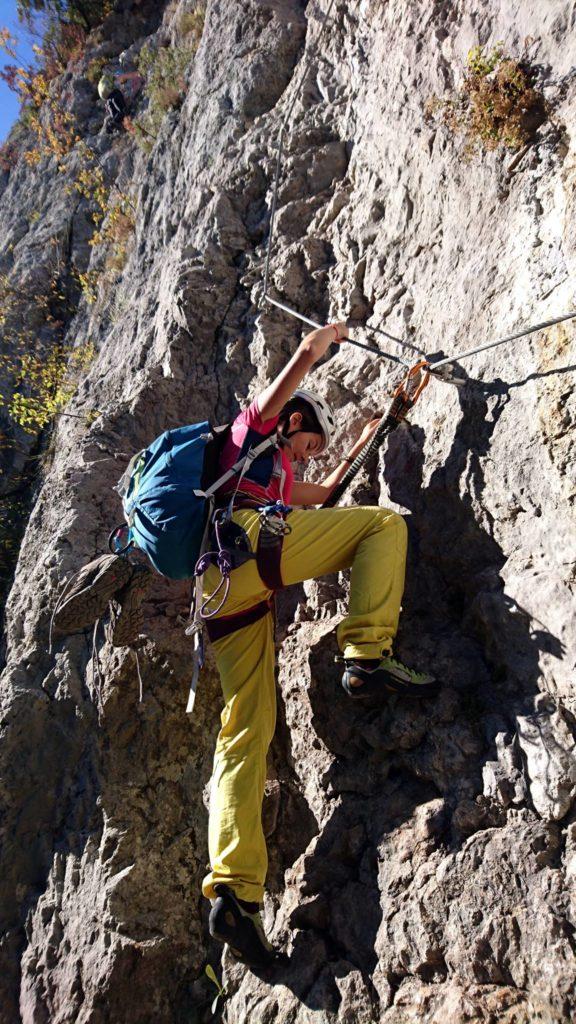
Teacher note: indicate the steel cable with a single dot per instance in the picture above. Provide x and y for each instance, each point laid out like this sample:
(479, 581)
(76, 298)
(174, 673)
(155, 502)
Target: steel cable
(281, 137)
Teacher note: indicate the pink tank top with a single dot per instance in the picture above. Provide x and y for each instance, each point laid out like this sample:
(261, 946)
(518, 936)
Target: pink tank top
(270, 477)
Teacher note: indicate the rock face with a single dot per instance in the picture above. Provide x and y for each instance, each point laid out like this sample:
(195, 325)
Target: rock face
(422, 858)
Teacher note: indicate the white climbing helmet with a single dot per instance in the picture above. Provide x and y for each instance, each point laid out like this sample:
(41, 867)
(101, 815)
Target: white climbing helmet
(323, 411)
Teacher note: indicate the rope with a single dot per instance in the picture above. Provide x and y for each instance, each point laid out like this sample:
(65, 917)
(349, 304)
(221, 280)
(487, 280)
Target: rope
(96, 671)
(266, 297)
(223, 562)
(139, 674)
(304, 71)
(358, 344)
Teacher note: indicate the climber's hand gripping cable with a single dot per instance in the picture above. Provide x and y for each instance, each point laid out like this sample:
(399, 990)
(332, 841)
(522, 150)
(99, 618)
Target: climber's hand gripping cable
(273, 399)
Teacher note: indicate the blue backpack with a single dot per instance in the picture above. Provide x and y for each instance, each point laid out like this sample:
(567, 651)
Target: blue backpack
(168, 493)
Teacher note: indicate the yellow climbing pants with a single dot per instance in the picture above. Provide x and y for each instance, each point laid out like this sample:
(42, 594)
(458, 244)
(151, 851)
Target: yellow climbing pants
(372, 541)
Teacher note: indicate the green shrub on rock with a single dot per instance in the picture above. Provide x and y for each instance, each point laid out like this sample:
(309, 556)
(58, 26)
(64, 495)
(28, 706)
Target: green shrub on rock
(165, 73)
(497, 103)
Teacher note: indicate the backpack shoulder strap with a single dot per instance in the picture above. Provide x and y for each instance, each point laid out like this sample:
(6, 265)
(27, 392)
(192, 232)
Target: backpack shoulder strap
(241, 467)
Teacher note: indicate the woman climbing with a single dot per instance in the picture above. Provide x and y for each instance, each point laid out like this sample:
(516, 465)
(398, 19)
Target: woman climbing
(308, 544)
(288, 425)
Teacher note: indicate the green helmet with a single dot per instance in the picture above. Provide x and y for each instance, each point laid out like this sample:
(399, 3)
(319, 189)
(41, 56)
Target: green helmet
(105, 85)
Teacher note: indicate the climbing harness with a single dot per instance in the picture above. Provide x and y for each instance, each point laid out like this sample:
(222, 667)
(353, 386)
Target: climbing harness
(271, 519)
(232, 549)
(230, 553)
(273, 529)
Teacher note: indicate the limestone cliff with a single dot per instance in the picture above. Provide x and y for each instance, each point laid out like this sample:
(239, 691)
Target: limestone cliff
(422, 859)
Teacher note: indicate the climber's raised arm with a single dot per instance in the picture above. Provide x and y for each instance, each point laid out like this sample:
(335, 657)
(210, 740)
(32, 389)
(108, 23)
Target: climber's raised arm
(273, 399)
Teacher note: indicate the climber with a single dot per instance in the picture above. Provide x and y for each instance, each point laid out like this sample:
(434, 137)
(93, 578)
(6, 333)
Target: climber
(273, 545)
(116, 106)
(292, 545)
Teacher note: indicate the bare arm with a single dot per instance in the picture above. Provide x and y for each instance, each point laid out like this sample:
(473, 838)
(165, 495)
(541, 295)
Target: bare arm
(315, 494)
(309, 351)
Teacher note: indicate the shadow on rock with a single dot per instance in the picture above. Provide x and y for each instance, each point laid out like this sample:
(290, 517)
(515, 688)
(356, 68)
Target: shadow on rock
(411, 779)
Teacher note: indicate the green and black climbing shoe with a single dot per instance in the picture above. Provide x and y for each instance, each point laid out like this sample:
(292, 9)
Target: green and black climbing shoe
(85, 597)
(238, 923)
(369, 678)
(127, 620)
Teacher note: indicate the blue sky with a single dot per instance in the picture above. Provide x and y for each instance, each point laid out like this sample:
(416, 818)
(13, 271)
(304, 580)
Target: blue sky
(9, 105)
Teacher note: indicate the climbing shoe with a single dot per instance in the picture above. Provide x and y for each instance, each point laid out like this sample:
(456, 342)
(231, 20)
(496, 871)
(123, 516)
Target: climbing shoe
(368, 678)
(85, 597)
(127, 620)
(238, 923)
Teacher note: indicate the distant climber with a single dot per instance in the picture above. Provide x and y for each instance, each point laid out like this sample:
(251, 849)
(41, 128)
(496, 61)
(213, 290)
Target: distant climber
(264, 543)
(114, 98)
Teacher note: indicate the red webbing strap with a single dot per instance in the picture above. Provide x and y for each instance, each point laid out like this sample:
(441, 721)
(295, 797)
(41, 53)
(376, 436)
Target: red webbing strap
(269, 548)
(218, 628)
(268, 556)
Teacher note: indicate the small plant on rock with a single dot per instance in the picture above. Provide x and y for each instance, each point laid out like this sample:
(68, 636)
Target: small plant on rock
(9, 154)
(118, 232)
(220, 992)
(44, 383)
(96, 68)
(113, 214)
(88, 282)
(497, 103)
(142, 135)
(191, 22)
(165, 73)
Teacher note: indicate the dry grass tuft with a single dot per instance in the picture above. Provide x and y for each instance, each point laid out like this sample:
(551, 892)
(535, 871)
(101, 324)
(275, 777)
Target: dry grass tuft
(497, 104)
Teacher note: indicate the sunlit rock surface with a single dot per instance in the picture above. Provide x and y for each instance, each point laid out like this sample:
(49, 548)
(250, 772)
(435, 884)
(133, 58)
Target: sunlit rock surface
(422, 857)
